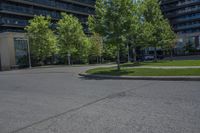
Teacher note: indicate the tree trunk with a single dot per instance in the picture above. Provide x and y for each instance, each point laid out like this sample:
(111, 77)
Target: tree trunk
(155, 54)
(118, 57)
(69, 58)
(171, 54)
(100, 60)
(128, 53)
(134, 55)
(97, 60)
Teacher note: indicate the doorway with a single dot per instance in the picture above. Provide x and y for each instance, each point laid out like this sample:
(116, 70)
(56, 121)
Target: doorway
(21, 52)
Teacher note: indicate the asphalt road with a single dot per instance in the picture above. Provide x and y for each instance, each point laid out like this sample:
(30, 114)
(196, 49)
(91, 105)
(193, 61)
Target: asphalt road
(57, 100)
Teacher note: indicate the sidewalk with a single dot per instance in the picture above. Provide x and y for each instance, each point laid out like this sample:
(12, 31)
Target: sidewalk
(165, 67)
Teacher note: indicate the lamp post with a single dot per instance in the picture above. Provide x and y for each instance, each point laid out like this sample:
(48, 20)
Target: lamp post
(28, 48)
(29, 54)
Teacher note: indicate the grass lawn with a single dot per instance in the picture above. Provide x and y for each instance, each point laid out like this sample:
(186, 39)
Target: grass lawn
(145, 72)
(165, 63)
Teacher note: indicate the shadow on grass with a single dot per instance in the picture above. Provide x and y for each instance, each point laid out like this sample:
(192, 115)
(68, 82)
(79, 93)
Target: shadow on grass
(110, 72)
(132, 64)
(113, 72)
(94, 78)
(147, 63)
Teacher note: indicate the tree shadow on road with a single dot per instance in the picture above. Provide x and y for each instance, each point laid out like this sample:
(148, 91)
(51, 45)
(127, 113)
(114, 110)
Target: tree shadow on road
(96, 78)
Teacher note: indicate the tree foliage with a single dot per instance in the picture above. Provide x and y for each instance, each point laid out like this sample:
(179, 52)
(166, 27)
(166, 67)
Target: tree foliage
(158, 28)
(42, 38)
(117, 23)
(112, 21)
(96, 48)
(82, 52)
(71, 36)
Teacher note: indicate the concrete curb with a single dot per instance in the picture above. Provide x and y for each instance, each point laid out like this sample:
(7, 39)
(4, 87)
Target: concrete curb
(164, 78)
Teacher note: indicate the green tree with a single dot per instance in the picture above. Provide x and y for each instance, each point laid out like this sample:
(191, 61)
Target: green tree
(70, 35)
(82, 52)
(109, 52)
(96, 48)
(42, 39)
(135, 34)
(153, 16)
(169, 38)
(111, 20)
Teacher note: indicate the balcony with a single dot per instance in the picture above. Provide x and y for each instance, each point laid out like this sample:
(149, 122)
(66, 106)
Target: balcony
(185, 27)
(27, 11)
(89, 3)
(58, 6)
(180, 5)
(13, 22)
(182, 12)
(168, 1)
(186, 18)
(187, 2)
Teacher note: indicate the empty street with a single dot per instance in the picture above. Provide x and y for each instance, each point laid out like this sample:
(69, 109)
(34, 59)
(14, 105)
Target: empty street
(57, 100)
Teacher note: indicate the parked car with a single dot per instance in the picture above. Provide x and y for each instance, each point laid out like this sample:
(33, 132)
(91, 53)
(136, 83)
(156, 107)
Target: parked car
(160, 57)
(152, 57)
(148, 57)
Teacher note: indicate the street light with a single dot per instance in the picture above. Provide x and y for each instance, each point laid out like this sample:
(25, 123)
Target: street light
(28, 46)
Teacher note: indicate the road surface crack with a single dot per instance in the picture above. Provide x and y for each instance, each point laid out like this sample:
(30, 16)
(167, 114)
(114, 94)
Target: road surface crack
(78, 108)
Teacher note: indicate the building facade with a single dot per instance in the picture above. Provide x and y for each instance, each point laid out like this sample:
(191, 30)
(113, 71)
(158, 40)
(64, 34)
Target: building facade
(184, 16)
(15, 14)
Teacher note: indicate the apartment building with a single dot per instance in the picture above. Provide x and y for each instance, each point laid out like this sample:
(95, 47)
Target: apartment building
(184, 16)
